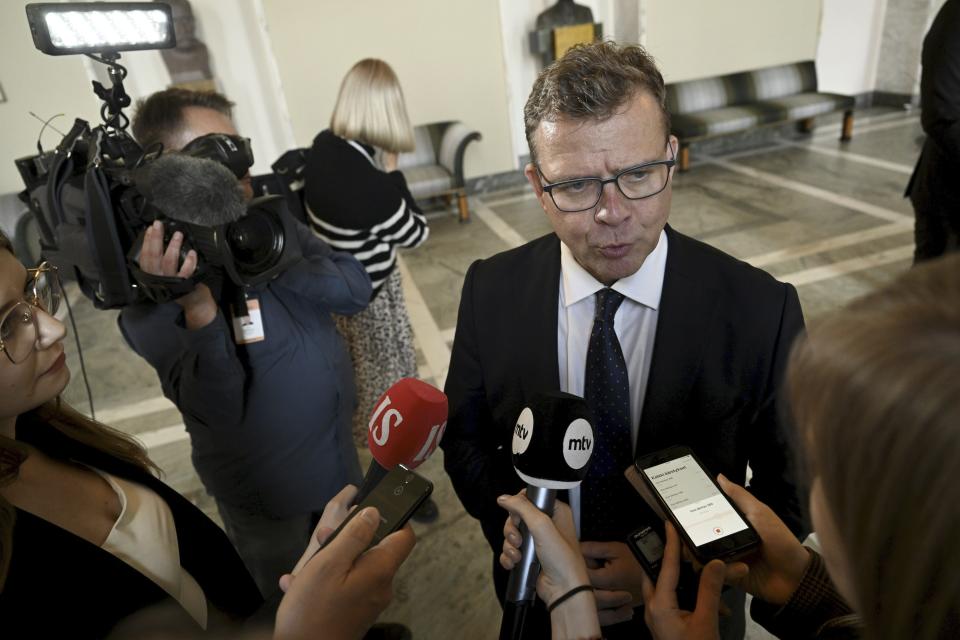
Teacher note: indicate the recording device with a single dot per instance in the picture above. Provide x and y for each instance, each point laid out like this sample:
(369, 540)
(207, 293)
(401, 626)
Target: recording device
(686, 493)
(647, 546)
(95, 194)
(552, 444)
(397, 496)
(405, 428)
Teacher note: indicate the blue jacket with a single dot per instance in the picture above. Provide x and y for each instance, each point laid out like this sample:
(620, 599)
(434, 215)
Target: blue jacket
(269, 421)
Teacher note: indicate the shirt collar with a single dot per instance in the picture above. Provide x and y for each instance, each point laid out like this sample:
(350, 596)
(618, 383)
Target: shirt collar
(644, 286)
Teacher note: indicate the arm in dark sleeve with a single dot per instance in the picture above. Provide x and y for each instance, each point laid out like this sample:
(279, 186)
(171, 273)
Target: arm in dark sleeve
(812, 609)
(940, 81)
(773, 446)
(467, 447)
(344, 189)
(412, 230)
(333, 280)
(199, 370)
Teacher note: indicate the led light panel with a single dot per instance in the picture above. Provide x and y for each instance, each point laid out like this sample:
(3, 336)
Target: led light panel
(99, 27)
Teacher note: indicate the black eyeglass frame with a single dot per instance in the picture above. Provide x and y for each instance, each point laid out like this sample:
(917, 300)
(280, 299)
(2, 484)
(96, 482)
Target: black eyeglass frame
(669, 164)
(34, 301)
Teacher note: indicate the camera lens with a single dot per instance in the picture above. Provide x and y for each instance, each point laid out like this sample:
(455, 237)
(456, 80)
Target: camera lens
(256, 241)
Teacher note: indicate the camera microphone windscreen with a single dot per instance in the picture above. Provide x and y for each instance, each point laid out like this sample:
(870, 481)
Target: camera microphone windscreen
(405, 428)
(193, 190)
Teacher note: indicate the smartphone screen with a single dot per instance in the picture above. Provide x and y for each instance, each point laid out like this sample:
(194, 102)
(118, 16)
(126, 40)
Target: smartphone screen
(703, 512)
(709, 522)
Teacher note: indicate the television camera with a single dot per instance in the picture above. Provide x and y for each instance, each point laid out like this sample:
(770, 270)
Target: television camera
(95, 194)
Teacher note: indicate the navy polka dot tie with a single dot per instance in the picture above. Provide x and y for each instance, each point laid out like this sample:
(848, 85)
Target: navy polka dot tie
(605, 491)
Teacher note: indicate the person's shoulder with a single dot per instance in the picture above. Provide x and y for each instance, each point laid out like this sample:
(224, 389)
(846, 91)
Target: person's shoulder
(538, 253)
(326, 143)
(716, 268)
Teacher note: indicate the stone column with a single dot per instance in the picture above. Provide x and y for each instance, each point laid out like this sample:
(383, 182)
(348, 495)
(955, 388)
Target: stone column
(898, 70)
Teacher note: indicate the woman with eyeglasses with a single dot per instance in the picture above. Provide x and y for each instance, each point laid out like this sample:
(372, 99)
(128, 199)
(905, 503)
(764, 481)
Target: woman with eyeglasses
(874, 392)
(92, 543)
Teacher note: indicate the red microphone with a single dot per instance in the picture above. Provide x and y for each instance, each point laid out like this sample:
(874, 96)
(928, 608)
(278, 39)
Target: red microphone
(405, 428)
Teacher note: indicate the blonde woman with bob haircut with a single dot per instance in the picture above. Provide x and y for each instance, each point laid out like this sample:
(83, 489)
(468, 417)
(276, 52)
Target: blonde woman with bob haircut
(359, 202)
(874, 390)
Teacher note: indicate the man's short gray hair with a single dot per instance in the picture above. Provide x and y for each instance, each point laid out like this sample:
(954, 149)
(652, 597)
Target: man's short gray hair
(593, 81)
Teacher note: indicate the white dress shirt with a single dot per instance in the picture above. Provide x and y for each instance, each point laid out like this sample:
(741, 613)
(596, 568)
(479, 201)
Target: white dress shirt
(635, 324)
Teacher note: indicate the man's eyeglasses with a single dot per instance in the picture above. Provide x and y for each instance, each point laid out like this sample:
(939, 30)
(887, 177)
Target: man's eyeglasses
(635, 183)
(18, 324)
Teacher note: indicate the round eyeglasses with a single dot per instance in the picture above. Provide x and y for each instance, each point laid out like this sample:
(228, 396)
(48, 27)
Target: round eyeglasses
(635, 183)
(18, 324)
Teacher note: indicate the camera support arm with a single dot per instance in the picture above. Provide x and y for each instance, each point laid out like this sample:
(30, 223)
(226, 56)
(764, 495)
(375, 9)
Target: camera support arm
(115, 99)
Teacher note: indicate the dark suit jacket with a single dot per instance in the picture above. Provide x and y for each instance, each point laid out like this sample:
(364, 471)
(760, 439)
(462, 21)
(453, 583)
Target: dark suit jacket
(723, 336)
(934, 187)
(61, 586)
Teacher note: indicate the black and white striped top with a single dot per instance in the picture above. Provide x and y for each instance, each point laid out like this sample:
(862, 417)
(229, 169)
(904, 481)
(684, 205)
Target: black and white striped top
(356, 207)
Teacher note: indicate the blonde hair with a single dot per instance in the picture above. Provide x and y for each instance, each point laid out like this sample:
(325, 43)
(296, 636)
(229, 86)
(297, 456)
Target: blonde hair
(370, 108)
(875, 391)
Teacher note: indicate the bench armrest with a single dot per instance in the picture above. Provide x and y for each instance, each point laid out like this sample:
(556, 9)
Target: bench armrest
(453, 144)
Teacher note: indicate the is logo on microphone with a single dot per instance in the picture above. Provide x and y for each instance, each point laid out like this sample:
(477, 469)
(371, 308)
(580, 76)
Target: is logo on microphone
(523, 431)
(577, 443)
(380, 428)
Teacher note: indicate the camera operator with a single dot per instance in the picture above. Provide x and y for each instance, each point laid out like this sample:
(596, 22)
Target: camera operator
(268, 407)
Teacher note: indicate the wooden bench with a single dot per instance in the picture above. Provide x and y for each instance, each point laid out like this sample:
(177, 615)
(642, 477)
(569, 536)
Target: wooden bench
(701, 109)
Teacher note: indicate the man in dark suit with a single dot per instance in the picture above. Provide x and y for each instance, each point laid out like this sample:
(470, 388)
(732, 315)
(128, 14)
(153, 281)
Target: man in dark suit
(699, 340)
(934, 187)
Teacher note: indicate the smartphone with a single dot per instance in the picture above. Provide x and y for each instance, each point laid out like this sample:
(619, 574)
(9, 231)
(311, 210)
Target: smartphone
(647, 545)
(396, 497)
(708, 521)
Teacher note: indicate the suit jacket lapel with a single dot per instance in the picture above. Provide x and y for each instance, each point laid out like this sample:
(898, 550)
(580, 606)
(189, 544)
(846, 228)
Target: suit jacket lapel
(687, 311)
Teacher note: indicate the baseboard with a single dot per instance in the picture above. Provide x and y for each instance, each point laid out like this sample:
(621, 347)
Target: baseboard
(889, 99)
(496, 182)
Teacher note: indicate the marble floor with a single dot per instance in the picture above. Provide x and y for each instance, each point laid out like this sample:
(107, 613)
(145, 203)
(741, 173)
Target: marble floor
(825, 216)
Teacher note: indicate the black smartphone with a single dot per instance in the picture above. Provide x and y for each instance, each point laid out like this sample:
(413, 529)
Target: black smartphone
(647, 545)
(708, 521)
(396, 497)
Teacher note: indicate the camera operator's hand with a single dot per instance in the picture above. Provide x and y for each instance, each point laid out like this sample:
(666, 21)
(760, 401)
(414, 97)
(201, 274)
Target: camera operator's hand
(341, 591)
(199, 307)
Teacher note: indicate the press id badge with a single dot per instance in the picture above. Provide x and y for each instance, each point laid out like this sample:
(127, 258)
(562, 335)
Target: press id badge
(248, 328)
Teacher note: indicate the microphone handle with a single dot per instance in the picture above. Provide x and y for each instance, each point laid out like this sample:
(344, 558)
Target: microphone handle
(375, 473)
(522, 586)
(514, 617)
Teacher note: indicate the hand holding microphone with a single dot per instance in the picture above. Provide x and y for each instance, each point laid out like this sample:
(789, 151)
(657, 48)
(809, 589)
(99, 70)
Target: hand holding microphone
(555, 544)
(552, 445)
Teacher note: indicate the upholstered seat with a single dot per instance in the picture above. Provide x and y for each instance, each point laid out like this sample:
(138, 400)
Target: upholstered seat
(435, 166)
(742, 101)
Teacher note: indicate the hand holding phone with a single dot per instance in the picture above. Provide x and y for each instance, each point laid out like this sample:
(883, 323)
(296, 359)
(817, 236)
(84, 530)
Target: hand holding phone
(396, 497)
(343, 590)
(777, 568)
(682, 490)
